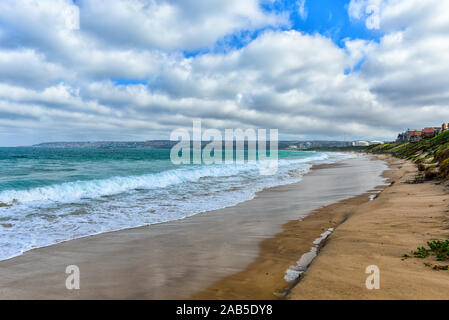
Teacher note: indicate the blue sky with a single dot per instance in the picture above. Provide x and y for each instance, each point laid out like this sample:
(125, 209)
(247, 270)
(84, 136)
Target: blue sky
(329, 18)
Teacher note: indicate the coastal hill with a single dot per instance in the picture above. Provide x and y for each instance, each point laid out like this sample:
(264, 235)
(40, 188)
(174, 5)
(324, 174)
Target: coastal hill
(154, 144)
(167, 144)
(431, 155)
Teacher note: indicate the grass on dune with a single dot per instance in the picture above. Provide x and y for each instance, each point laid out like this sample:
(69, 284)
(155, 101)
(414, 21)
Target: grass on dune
(432, 155)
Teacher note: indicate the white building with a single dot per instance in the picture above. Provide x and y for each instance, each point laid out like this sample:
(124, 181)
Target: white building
(360, 143)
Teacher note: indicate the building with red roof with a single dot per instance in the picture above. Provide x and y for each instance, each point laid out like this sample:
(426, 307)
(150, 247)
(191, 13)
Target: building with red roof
(428, 133)
(414, 135)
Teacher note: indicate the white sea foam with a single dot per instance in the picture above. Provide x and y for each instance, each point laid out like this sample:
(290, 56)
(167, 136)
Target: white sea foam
(74, 191)
(46, 215)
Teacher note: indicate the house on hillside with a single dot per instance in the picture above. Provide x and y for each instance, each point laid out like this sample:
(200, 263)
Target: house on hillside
(428, 132)
(418, 135)
(414, 135)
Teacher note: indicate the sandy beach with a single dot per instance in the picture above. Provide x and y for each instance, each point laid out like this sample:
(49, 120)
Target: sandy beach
(243, 252)
(403, 217)
(191, 258)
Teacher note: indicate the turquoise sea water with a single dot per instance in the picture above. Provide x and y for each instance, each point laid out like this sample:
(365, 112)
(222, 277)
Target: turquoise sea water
(54, 195)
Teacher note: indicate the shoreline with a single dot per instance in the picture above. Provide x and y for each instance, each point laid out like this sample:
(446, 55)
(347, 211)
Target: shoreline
(403, 217)
(263, 279)
(367, 231)
(197, 211)
(179, 259)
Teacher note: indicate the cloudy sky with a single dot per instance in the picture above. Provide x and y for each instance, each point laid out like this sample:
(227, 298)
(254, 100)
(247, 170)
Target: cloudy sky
(77, 70)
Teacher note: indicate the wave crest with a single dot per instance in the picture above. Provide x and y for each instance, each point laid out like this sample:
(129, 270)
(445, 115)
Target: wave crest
(75, 191)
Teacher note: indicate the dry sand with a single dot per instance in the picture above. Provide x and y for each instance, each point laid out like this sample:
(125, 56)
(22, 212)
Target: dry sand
(380, 232)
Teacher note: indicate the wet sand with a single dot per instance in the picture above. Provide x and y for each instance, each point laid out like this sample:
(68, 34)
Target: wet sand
(264, 278)
(403, 217)
(179, 259)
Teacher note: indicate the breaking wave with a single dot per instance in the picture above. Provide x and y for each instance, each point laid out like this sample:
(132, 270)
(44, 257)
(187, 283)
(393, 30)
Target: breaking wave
(74, 191)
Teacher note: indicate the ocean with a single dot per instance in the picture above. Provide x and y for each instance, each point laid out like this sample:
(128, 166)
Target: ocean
(49, 196)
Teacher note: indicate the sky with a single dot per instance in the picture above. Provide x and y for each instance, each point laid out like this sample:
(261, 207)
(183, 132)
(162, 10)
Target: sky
(90, 70)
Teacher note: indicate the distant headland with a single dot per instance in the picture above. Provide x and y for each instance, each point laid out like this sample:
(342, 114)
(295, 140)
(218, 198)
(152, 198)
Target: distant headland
(167, 144)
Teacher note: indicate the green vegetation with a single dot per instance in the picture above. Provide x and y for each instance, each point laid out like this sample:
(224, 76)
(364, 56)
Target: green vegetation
(437, 248)
(421, 253)
(440, 248)
(431, 155)
(439, 267)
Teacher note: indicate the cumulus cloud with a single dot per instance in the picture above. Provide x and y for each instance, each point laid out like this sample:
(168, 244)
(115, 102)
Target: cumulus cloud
(124, 75)
(28, 68)
(186, 25)
(409, 67)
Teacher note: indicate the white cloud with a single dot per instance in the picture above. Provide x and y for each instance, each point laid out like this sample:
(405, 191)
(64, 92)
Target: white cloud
(357, 9)
(186, 25)
(57, 83)
(27, 68)
(302, 9)
(409, 67)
